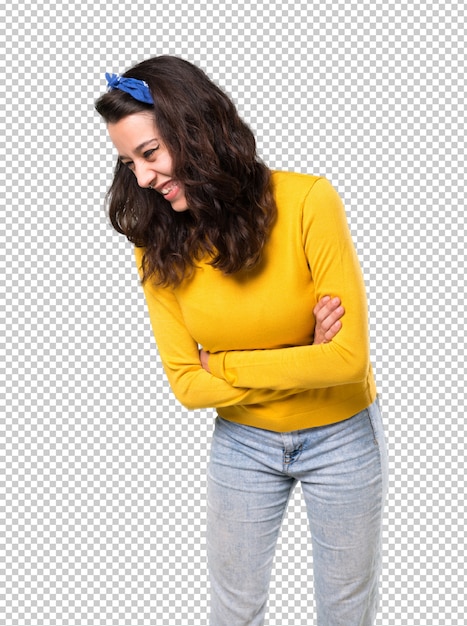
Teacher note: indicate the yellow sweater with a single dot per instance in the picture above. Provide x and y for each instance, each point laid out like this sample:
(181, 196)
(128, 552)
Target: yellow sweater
(258, 325)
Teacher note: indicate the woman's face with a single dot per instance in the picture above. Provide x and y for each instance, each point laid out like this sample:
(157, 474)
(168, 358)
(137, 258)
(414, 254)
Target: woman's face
(140, 148)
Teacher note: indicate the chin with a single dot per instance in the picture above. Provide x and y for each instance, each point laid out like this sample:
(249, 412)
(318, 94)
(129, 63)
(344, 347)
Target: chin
(179, 208)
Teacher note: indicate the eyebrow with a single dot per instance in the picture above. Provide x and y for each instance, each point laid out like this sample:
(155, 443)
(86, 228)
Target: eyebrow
(139, 148)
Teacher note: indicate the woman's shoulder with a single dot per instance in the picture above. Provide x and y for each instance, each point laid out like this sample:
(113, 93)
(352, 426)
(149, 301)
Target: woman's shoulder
(294, 181)
(293, 187)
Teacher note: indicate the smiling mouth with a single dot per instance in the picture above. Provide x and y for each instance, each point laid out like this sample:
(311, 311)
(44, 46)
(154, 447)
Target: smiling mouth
(168, 188)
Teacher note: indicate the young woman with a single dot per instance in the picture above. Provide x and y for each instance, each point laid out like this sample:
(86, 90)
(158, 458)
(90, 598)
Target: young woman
(234, 259)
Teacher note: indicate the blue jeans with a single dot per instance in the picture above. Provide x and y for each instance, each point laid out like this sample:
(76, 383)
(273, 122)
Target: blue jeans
(342, 469)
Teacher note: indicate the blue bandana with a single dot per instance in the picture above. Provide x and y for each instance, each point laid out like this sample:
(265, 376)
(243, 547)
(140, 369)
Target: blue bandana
(138, 89)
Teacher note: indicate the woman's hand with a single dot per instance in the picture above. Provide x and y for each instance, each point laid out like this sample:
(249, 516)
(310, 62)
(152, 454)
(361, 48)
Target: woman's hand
(203, 358)
(328, 313)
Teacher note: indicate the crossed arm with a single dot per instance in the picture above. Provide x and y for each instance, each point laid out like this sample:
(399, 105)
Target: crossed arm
(328, 313)
(334, 359)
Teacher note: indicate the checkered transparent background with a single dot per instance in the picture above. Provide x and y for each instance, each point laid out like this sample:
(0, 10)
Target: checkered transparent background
(103, 473)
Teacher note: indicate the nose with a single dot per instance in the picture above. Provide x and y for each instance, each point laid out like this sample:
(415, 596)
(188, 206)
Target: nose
(144, 173)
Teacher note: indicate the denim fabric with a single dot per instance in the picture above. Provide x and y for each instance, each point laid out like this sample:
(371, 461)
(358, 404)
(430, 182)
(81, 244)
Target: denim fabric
(342, 469)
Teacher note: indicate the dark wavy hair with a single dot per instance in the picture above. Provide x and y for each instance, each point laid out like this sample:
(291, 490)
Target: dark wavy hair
(227, 187)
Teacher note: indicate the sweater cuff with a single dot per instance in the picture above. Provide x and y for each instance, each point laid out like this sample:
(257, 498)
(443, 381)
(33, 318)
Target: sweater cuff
(216, 364)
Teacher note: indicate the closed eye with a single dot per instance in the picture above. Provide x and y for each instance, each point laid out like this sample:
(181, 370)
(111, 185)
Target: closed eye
(148, 153)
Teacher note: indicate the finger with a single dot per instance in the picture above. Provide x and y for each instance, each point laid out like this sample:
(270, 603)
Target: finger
(332, 318)
(332, 332)
(320, 304)
(326, 308)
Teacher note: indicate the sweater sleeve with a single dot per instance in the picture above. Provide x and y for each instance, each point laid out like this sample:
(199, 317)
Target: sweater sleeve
(336, 271)
(191, 384)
